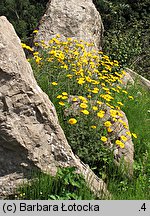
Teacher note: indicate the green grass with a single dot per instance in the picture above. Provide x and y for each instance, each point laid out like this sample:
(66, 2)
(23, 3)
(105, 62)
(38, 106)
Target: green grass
(66, 185)
(138, 115)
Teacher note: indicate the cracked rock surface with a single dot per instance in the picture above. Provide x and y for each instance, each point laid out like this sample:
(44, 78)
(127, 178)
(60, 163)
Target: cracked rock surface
(30, 135)
(71, 19)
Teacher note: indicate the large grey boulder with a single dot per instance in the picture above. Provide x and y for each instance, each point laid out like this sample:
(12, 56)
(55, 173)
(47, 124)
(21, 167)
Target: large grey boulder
(140, 79)
(30, 135)
(71, 18)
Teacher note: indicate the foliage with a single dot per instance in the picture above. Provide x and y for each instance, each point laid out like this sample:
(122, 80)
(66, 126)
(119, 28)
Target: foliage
(66, 185)
(127, 32)
(24, 15)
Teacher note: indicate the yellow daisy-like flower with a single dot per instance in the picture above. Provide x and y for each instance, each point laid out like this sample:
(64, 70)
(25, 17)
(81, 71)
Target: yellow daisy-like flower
(107, 124)
(120, 103)
(121, 144)
(101, 114)
(36, 44)
(54, 83)
(124, 91)
(72, 121)
(120, 114)
(128, 133)
(99, 102)
(82, 98)
(74, 99)
(124, 138)
(35, 31)
(61, 103)
(64, 93)
(95, 90)
(134, 135)
(88, 79)
(59, 96)
(131, 97)
(89, 96)
(113, 113)
(103, 138)
(81, 81)
(64, 97)
(83, 105)
(95, 108)
(69, 76)
(109, 130)
(36, 53)
(86, 112)
(93, 126)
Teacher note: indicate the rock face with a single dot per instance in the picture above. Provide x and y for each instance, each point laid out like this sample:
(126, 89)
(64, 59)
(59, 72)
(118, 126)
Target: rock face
(30, 134)
(142, 80)
(76, 19)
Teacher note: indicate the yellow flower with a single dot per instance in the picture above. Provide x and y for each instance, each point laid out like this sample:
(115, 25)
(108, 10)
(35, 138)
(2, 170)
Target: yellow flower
(95, 90)
(54, 83)
(101, 114)
(131, 97)
(95, 108)
(93, 126)
(83, 105)
(35, 31)
(72, 121)
(113, 113)
(120, 114)
(37, 59)
(114, 119)
(65, 67)
(107, 124)
(120, 103)
(74, 99)
(109, 130)
(26, 47)
(88, 79)
(36, 53)
(106, 89)
(134, 135)
(86, 112)
(128, 133)
(64, 97)
(112, 107)
(59, 96)
(64, 93)
(121, 144)
(124, 91)
(118, 107)
(69, 76)
(103, 138)
(124, 138)
(84, 100)
(36, 44)
(95, 82)
(81, 81)
(89, 96)
(99, 102)
(61, 103)
(57, 35)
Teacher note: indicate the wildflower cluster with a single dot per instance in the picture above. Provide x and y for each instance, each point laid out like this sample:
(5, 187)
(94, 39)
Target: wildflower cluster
(76, 68)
